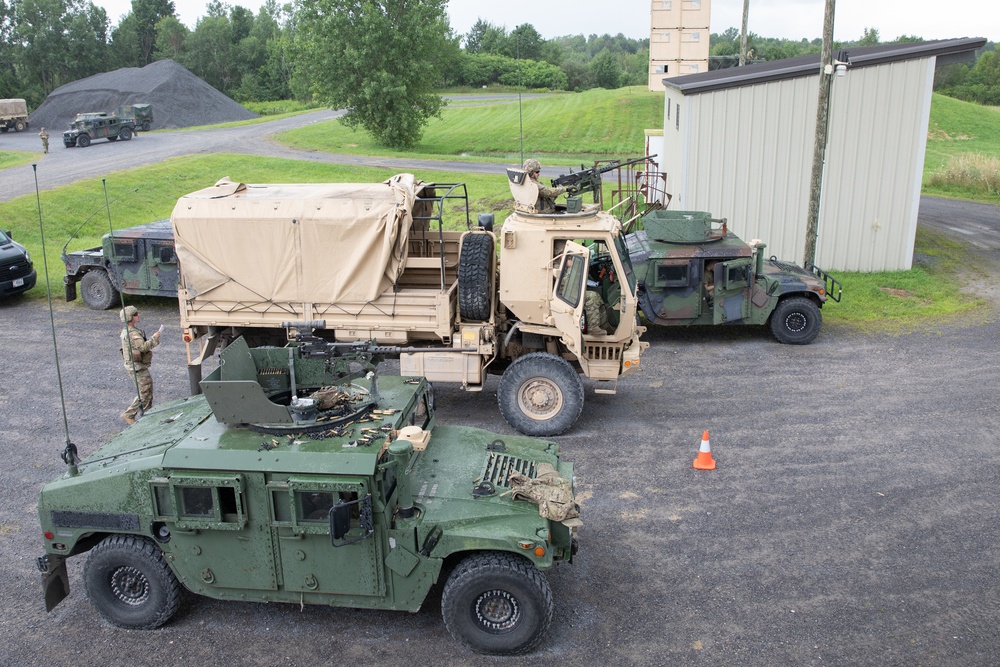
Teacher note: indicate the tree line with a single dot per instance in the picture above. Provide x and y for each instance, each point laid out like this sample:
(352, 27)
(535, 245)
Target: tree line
(385, 61)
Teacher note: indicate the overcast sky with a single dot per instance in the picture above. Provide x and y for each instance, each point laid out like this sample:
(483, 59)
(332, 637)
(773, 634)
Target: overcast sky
(790, 19)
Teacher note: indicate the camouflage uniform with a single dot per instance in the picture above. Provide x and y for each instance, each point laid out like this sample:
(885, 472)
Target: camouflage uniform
(546, 202)
(596, 313)
(137, 362)
(44, 136)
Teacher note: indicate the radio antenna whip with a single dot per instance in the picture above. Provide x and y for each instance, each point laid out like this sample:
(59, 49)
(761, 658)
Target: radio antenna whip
(69, 454)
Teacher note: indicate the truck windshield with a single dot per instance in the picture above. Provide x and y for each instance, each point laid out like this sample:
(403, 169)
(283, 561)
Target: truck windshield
(626, 261)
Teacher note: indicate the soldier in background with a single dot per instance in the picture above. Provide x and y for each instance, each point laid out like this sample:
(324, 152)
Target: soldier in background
(137, 352)
(44, 136)
(546, 202)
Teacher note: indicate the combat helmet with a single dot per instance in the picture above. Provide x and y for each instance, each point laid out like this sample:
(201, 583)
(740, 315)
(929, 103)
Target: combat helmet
(127, 313)
(531, 164)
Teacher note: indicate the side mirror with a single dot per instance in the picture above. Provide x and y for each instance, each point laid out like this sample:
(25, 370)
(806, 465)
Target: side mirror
(486, 221)
(340, 521)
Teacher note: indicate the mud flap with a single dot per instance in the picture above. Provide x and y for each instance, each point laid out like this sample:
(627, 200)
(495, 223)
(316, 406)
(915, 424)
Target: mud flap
(55, 580)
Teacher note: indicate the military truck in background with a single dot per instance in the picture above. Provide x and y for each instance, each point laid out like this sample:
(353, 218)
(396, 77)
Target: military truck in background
(13, 115)
(142, 114)
(301, 477)
(693, 270)
(99, 125)
(359, 262)
(136, 260)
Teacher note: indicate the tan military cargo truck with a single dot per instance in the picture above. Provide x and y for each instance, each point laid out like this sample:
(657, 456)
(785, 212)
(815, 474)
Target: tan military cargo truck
(400, 265)
(13, 115)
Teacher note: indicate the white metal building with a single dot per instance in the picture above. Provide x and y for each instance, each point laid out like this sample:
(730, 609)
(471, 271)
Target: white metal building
(739, 143)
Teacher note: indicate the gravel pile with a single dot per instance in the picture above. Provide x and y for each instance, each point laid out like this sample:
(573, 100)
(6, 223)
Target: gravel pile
(179, 98)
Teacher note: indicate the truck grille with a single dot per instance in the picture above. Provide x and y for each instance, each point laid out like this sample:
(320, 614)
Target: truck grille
(16, 268)
(596, 352)
(499, 467)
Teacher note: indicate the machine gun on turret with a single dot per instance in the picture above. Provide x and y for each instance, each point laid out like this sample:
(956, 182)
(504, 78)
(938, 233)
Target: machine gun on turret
(589, 179)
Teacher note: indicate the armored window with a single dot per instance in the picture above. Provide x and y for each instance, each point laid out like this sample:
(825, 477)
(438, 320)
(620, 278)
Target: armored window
(200, 502)
(570, 285)
(304, 504)
(673, 275)
(164, 253)
(123, 251)
(421, 414)
(737, 275)
(197, 502)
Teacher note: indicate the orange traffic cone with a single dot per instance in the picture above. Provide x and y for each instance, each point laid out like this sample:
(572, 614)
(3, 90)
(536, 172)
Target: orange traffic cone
(704, 460)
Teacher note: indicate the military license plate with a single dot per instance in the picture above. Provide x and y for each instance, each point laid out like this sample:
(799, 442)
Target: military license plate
(18, 282)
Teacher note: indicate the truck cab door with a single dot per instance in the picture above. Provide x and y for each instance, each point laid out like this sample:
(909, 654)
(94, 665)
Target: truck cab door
(128, 263)
(567, 301)
(314, 561)
(732, 291)
(162, 262)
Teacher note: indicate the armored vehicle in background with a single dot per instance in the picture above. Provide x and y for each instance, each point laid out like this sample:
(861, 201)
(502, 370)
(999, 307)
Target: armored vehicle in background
(300, 477)
(693, 270)
(361, 261)
(13, 115)
(89, 126)
(136, 260)
(142, 114)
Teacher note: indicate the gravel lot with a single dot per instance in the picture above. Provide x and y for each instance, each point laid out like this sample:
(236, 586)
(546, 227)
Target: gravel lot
(852, 519)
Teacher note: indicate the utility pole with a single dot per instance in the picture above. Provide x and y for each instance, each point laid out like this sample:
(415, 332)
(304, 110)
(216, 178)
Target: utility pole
(743, 34)
(819, 147)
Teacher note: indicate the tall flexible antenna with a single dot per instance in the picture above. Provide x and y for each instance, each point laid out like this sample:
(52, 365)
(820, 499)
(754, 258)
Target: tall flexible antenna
(121, 296)
(69, 455)
(89, 218)
(520, 85)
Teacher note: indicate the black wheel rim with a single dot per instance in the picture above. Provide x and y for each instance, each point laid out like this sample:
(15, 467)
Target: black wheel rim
(497, 611)
(796, 322)
(130, 586)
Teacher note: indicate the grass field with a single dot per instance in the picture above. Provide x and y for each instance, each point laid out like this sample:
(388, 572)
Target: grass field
(562, 129)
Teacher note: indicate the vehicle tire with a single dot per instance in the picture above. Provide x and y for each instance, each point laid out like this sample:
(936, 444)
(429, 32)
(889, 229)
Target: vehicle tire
(83, 140)
(97, 291)
(125, 133)
(130, 584)
(4, 128)
(20, 125)
(145, 126)
(475, 263)
(796, 321)
(497, 603)
(540, 394)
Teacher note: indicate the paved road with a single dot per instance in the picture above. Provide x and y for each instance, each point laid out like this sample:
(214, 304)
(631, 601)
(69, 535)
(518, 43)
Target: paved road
(65, 165)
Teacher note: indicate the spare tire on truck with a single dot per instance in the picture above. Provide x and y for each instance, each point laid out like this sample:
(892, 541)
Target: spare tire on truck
(475, 266)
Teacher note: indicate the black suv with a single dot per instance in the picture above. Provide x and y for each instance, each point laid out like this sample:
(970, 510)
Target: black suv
(17, 274)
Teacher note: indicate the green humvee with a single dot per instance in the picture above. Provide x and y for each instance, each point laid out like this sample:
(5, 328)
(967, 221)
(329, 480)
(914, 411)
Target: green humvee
(298, 476)
(135, 260)
(693, 270)
(100, 125)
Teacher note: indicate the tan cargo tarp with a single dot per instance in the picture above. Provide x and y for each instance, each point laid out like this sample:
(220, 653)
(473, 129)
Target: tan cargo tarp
(294, 243)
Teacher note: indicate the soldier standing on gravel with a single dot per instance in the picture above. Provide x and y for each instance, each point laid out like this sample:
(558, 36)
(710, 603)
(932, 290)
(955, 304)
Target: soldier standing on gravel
(44, 136)
(138, 354)
(546, 202)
